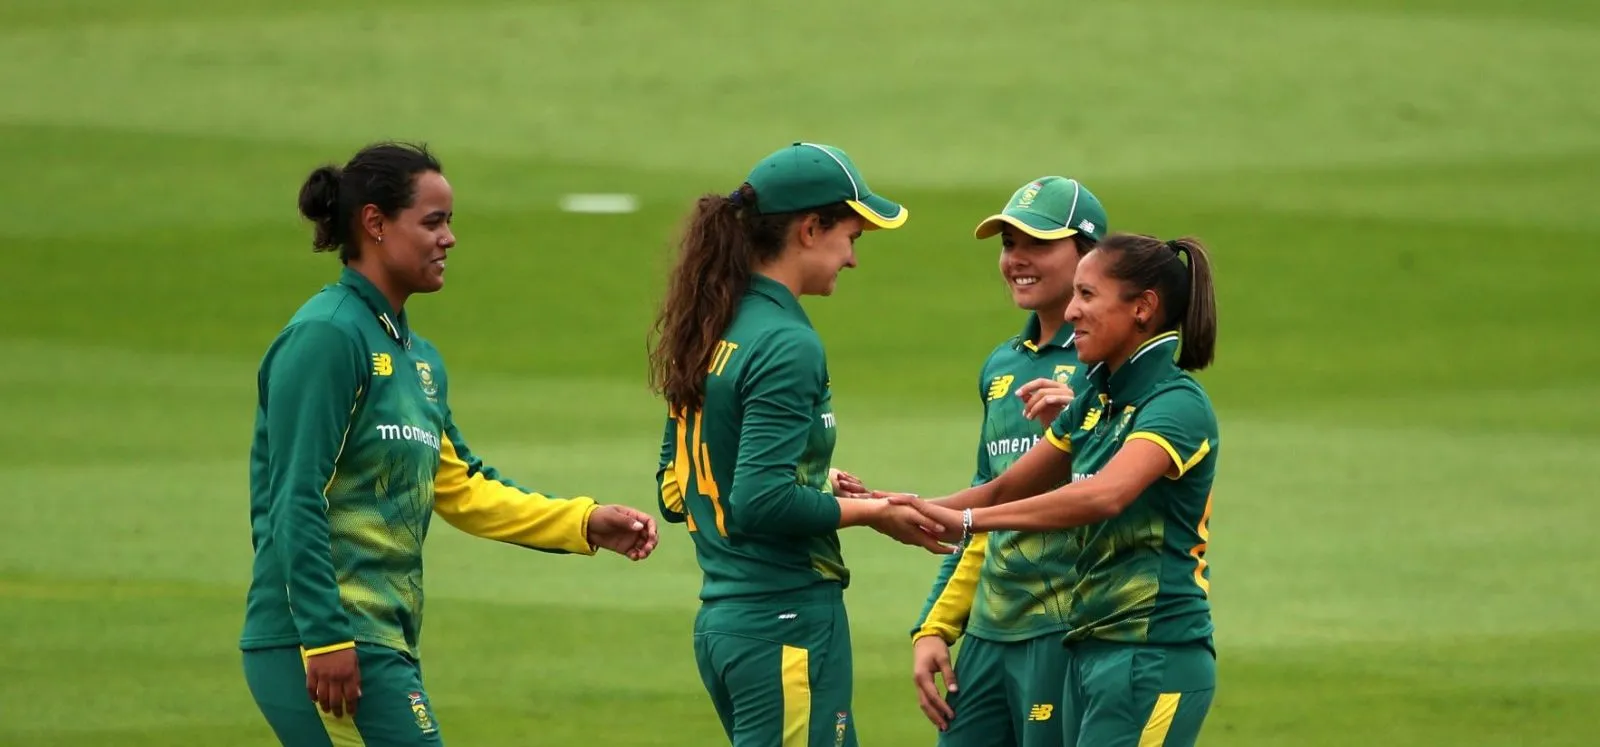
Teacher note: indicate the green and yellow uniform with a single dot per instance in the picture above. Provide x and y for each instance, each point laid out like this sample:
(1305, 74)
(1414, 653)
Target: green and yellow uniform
(355, 448)
(1143, 663)
(1009, 592)
(747, 474)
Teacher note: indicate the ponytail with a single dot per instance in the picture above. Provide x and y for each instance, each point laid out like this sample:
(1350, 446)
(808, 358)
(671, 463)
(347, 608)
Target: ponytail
(1199, 323)
(703, 291)
(1179, 272)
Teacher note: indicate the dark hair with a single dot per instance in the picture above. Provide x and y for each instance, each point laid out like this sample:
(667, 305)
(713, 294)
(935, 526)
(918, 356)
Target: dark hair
(1179, 271)
(382, 174)
(725, 238)
(1082, 243)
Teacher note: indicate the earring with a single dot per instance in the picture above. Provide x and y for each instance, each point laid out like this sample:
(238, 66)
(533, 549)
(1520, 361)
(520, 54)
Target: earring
(380, 238)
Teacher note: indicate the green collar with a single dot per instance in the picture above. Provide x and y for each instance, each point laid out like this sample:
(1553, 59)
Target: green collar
(1030, 335)
(394, 324)
(1151, 364)
(779, 294)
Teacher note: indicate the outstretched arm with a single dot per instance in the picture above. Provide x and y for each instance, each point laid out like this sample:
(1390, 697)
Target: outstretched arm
(1171, 434)
(782, 384)
(474, 498)
(1136, 466)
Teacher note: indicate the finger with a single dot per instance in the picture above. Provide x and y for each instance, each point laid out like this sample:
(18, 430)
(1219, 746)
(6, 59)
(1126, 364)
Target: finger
(948, 673)
(932, 544)
(932, 715)
(1029, 388)
(928, 690)
(352, 693)
(946, 713)
(340, 691)
(647, 544)
(324, 695)
(641, 549)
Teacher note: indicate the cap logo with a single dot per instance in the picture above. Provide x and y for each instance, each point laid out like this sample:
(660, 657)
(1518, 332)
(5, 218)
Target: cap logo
(1028, 193)
(1086, 226)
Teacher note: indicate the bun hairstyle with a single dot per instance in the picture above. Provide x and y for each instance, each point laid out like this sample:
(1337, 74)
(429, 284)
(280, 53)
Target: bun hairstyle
(319, 203)
(382, 175)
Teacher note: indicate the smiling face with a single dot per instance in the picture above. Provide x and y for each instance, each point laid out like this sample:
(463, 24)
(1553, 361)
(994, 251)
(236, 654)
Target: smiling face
(1039, 273)
(1105, 313)
(416, 241)
(826, 252)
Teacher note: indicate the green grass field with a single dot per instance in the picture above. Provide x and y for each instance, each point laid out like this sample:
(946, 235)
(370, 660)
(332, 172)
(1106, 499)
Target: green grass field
(1399, 197)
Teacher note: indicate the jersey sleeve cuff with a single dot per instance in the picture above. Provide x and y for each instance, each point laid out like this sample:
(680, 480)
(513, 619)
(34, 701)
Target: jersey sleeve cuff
(1059, 442)
(944, 632)
(1180, 466)
(318, 651)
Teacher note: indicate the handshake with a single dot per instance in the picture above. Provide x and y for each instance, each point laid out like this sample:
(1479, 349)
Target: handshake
(905, 517)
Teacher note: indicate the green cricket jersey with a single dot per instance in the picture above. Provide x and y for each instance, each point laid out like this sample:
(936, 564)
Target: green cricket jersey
(1008, 586)
(748, 472)
(355, 448)
(1142, 576)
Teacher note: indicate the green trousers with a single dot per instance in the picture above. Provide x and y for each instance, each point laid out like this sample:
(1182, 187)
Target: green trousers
(1127, 695)
(393, 711)
(1008, 694)
(779, 670)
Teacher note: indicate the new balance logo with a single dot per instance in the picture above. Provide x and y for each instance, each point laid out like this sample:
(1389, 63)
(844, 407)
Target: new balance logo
(999, 386)
(382, 364)
(1041, 712)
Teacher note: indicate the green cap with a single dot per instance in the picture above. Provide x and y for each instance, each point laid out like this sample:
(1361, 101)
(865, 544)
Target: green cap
(807, 175)
(1050, 208)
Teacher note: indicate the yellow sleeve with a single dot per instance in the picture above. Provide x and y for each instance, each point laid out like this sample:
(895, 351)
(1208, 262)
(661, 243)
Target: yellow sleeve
(474, 499)
(671, 476)
(947, 612)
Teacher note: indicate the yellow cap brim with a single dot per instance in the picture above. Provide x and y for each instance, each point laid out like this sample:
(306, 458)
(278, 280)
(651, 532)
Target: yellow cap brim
(876, 220)
(991, 226)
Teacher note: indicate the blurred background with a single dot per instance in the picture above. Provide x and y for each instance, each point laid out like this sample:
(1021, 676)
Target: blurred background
(1399, 197)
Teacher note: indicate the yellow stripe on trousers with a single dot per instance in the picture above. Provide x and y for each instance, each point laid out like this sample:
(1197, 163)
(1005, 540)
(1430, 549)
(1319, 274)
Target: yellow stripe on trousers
(341, 731)
(796, 677)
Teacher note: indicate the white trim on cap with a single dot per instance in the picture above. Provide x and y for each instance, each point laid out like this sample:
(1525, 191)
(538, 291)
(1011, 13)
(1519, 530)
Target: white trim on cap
(853, 186)
(1072, 212)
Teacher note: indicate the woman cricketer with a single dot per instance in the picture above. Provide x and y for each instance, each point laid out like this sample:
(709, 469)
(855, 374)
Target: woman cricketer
(355, 449)
(1008, 592)
(749, 435)
(1139, 445)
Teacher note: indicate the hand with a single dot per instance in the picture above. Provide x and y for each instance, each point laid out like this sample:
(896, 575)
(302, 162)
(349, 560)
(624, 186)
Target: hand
(334, 681)
(930, 658)
(846, 485)
(910, 527)
(1044, 400)
(623, 530)
(942, 523)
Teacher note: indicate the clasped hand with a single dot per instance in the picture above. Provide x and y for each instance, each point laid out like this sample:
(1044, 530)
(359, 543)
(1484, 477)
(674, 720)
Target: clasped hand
(929, 519)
